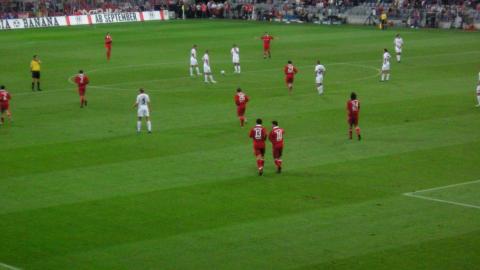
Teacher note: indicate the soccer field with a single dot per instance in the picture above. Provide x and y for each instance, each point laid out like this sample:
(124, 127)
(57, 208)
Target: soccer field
(79, 189)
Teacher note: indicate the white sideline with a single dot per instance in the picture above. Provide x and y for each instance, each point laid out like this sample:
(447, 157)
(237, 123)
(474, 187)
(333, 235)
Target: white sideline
(6, 266)
(414, 195)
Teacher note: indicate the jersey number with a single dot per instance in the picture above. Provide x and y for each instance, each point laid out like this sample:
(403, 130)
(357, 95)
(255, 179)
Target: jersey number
(355, 106)
(258, 134)
(279, 134)
(143, 101)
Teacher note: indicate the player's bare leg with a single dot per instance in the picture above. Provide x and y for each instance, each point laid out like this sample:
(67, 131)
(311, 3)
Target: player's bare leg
(109, 53)
(478, 100)
(290, 88)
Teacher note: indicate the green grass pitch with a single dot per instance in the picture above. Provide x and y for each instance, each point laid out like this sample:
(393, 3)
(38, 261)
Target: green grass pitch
(79, 189)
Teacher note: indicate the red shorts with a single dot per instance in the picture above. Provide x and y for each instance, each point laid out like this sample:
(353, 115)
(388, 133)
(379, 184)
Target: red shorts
(266, 48)
(259, 151)
(241, 110)
(4, 107)
(81, 91)
(289, 79)
(353, 120)
(277, 151)
(109, 47)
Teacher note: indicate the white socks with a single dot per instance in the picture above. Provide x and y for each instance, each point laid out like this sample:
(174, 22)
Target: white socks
(398, 58)
(388, 76)
(211, 78)
(236, 69)
(320, 89)
(478, 99)
(198, 71)
(385, 76)
(191, 71)
(149, 126)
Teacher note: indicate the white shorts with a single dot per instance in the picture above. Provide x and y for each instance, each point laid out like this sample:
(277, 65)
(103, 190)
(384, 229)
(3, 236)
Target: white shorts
(386, 67)
(193, 62)
(206, 69)
(236, 60)
(319, 79)
(398, 50)
(143, 111)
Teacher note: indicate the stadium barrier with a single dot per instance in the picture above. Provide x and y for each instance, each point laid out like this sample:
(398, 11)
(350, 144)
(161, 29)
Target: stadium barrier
(100, 18)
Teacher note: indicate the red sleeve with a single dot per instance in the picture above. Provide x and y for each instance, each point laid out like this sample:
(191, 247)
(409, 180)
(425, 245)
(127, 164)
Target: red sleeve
(285, 69)
(87, 80)
(264, 134)
(76, 79)
(295, 69)
(270, 136)
(251, 133)
(9, 96)
(236, 100)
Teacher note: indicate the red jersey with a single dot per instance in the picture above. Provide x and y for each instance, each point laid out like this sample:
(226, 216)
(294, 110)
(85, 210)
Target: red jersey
(4, 97)
(353, 108)
(290, 70)
(108, 40)
(259, 135)
(266, 40)
(81, 80)
(276, 137)
(241, 99)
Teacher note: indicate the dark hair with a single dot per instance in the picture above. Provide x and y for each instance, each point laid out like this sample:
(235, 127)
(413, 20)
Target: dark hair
(34, 56)
(80, 71)
(259, 121)
(2, 87)
(141, 90)
(239, 89)
(275, 123)
(289, 61)
(353, 96)
(385, 50)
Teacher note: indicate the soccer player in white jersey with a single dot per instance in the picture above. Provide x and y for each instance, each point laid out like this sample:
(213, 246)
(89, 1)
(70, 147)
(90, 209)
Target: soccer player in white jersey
(206, 68)
(143, 105)
(398, 42)
(386, 65)
(193, 61)
(478, 90)
(235, 51)
(319, 72)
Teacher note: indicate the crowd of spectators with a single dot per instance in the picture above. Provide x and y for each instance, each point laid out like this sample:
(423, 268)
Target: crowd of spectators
(414, 13)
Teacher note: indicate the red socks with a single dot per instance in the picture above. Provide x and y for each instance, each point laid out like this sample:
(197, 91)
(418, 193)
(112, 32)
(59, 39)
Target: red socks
(242, 121)
(350, 133)
(260, 163)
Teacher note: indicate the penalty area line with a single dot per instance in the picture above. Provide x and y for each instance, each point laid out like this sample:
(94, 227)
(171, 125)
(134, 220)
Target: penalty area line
(415, 194)
(7, 266)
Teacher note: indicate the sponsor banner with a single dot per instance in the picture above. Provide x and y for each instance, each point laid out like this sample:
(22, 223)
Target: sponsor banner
(78, 20)
(101, 18)
(115, 17)
(38, 22)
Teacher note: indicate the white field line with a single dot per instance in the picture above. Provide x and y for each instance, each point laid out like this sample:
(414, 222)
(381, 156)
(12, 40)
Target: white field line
(414, 194)
(6, 266)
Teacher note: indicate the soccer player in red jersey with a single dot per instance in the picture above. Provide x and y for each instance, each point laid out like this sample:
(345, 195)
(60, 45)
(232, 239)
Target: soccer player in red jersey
(4, 105)
(266, 45)
(259, 134)
(82, 80)
(276, 138)
(353, 110)
(290, 70)
(241, 100)
(108, 45)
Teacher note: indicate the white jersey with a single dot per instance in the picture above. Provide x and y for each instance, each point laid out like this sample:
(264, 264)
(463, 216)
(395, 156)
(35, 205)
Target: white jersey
(398, 42)
(206, 63)
(386, 61)
(235, 51)
(193, 57)
(143, 100)
(319, 71)
(478, 89)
